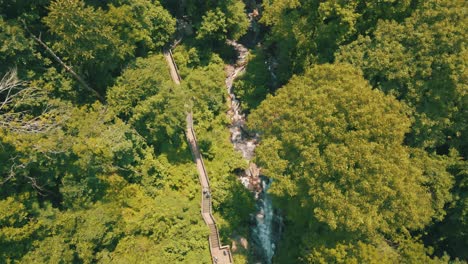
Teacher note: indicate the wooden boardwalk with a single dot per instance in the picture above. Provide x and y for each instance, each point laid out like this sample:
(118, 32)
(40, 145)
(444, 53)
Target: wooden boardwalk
(219, 254)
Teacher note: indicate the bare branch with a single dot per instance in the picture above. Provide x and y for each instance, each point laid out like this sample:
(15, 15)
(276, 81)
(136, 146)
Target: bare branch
(14, 93)
(10, 87)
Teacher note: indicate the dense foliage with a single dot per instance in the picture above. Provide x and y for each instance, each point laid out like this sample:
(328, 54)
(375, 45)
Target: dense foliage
(341, 169)
(86, 182)
(305, 32)
(368, 153)
(422, 62)
(360, 107)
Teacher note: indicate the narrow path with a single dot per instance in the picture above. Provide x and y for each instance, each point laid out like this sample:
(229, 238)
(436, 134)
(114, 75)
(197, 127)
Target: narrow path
(219, 254)
(174, 71)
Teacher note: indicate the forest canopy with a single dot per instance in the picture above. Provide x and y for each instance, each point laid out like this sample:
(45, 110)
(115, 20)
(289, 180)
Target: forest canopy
(340, 165)
(358, 110)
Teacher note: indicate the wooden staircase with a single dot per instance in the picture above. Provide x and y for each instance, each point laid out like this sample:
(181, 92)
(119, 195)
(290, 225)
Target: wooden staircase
(206, 206)
(214, 239)
(219, 254)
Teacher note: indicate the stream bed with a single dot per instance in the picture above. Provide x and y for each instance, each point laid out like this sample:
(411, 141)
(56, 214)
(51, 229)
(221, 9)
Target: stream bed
(266, 227)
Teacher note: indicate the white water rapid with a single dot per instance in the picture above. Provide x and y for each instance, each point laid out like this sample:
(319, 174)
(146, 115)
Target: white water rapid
(262, 233)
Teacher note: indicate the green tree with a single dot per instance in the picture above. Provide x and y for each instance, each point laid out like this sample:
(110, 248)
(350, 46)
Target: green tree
(15, 48)
(236, 18)
(360, 252)
(22, 8)
(213, 26)
(255, 83)
(145, 23)
(450, 235)
(146, 97)
(305, 32)
(18, 227)
(421, 61)
(83, 182)
(141, 80)
(85, 38)
(341, 172)
(213, 20)
(206, 86)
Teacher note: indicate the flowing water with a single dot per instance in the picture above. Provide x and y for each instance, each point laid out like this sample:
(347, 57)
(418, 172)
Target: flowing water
(263, 232)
